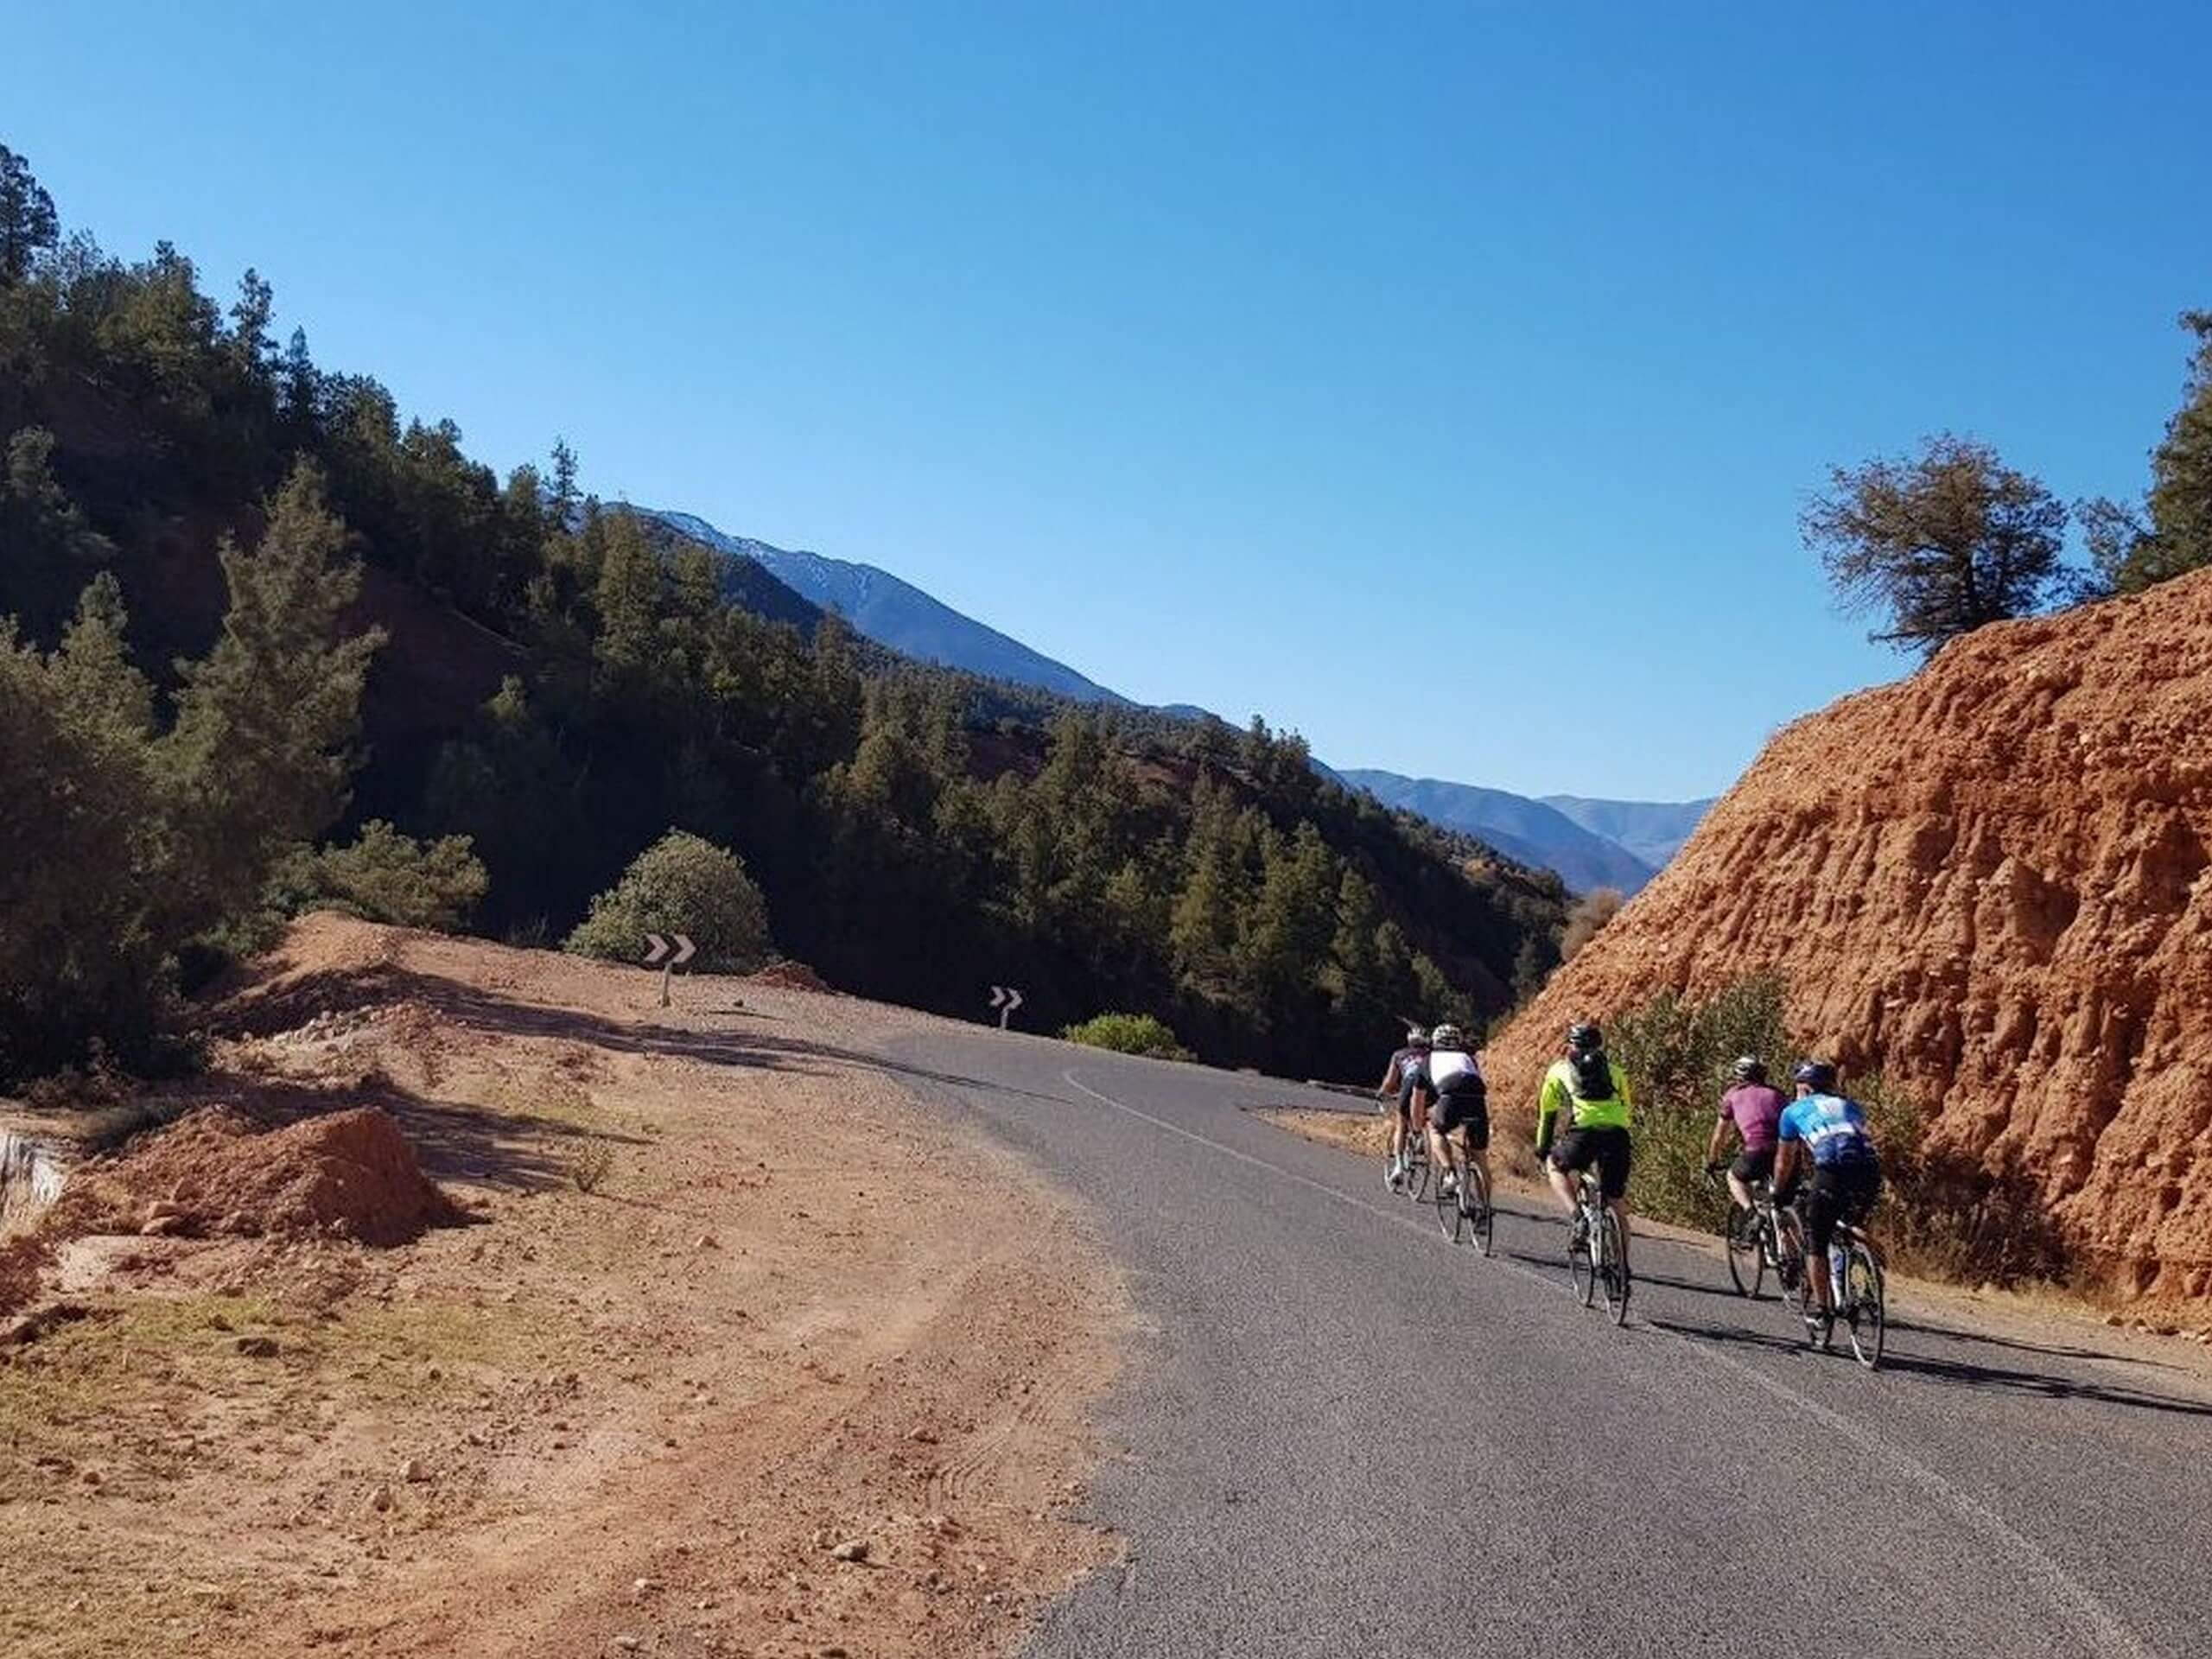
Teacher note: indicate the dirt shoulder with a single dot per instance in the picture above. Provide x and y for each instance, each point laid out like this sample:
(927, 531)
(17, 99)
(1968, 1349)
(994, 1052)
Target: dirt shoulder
(804, 1371)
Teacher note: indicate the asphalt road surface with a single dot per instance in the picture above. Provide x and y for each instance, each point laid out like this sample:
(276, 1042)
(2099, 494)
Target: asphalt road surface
(1339, 1436)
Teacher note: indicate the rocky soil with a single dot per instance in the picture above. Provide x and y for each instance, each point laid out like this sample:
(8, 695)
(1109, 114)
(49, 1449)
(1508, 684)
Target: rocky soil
(1990, 881)
(473, 1303)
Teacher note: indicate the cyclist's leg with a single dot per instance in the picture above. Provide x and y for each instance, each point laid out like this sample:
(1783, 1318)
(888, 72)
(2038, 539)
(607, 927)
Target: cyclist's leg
(1440, 1149)
(1570, 1155)
(1738, 1187)
(1817, 1208)
(1612, 1175)
(1479, 1144)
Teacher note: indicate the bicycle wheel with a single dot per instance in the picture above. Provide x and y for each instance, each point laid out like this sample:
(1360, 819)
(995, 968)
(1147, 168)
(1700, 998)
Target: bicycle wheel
(1582, 1267)
(1866, 1314)
(1740, 1237)
(1612, 1265)
(1417, 1172)
(1446, 1200)
(1481, 1221)
(1790, 1261)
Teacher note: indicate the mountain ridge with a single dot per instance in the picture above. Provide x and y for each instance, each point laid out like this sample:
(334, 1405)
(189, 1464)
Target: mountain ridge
(1566, 834)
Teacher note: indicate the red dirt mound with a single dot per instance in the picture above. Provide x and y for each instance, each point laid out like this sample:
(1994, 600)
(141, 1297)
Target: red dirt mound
(788, 976)
(1990, 881)
(349, 1174)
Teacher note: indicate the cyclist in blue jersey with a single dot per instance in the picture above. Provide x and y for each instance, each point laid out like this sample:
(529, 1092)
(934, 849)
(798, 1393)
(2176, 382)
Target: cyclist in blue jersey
(1824, 1145)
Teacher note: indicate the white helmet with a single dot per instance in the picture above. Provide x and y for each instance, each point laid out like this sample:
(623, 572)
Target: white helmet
(1447, 1036)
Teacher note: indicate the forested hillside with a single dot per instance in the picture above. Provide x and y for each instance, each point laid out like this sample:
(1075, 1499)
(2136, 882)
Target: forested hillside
(296, 612)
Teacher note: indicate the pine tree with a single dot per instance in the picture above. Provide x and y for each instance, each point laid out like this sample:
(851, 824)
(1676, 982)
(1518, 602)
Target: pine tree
(261, 748)
(28, 224)
(2174, 533)
(100, 689)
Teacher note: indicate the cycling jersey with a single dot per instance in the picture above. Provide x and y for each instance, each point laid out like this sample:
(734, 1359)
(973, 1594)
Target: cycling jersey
(1462, 1102)
(1832, 1129)
(1755, 1108)
(1405, 1073)
(1451, 1071)
(1558, 1096)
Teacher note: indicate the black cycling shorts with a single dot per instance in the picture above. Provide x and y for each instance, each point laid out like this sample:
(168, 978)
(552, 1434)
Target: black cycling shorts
(1753, 1166)
(1838, 1193)
(1578, 1150)
(1407, 1090)
(1468, 1109)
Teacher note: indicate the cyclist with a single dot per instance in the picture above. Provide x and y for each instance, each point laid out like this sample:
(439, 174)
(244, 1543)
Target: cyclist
(1398, 1084)
(1828, 1131)
(1449, 1090)
(1751, 1108)
(1591, 1093)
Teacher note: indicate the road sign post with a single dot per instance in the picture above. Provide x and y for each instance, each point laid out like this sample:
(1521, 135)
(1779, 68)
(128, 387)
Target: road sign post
(658, 952)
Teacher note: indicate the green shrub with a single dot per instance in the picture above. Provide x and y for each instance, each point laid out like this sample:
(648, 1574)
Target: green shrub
(681, 884)
(1679, 1057)
(1129, 1033)
(393, 878)
(1942, 1213)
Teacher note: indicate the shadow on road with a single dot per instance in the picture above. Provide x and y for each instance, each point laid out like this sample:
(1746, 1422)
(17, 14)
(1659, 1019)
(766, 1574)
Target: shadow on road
(2046, 1385)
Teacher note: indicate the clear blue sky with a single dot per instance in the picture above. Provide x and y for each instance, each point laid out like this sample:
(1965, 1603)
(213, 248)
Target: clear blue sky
(1358, 367)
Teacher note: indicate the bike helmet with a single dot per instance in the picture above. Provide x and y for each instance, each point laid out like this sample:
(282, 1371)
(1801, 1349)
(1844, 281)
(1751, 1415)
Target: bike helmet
(1447, 1036)
(1751, 1069)
(1584, 1037)
(1416, 1037)
(1816, 1075)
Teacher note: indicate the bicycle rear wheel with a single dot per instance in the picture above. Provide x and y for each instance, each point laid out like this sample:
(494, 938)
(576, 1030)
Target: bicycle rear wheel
(1417, 1171)
(1790, 1261)
(1865, 1312)
(1481, 1220)
(1612, 1266)
(1447, 1206)
(1740, 1237)
(1582, 1269)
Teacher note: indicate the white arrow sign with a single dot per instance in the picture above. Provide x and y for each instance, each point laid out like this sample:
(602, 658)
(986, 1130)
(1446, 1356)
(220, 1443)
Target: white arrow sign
(1006, 1000)
(684, 950)
(659, 948)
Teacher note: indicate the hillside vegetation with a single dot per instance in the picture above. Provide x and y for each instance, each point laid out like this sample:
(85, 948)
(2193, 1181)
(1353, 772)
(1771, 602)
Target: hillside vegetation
(380, 629)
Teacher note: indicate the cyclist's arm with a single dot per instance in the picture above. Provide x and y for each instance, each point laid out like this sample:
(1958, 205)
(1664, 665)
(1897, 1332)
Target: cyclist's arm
(1547, 1110)
(1786, 1155)
(1388, 1086)
(1720, 1128)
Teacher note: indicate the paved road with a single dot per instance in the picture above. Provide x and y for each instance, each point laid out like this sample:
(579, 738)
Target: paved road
(1346, 1438)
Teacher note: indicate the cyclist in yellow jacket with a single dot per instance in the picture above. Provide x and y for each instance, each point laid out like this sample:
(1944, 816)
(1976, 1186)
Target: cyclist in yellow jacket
(1591, 1093)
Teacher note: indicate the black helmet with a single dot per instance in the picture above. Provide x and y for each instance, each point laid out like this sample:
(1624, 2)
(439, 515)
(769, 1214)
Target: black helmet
(1816, 1075)
(1751, 1069)
(1584, 1037)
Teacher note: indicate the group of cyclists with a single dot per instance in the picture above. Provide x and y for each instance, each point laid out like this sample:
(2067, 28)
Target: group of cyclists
(1815, 1152)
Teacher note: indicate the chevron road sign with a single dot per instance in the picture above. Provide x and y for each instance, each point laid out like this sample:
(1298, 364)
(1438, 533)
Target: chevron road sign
(1006, 1000)
(657, 954)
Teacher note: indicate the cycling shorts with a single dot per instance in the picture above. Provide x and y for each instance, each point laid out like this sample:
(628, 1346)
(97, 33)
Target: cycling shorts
(1468, 1109)
(1838, 1193)
(1753, 1166)
(1606, 1149)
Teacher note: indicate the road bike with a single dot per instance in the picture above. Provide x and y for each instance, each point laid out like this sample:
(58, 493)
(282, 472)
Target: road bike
(1416, 1169)
(1597, 1251)
(1464, 1211)
(1859, 1295)
(1753, 1240)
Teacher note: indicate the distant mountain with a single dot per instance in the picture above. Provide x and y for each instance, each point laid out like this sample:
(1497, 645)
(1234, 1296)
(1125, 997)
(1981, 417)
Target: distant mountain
(1591, 843)
(896, 614)
(1653, 831)
(1532, 831)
